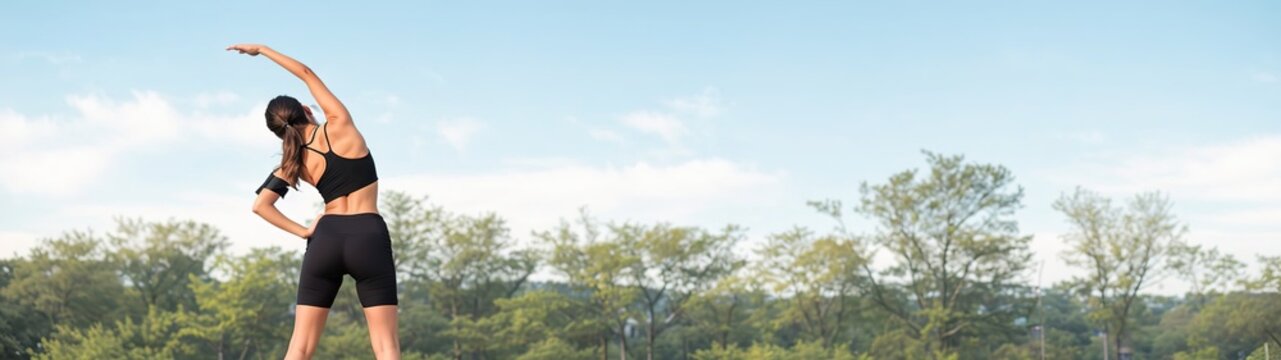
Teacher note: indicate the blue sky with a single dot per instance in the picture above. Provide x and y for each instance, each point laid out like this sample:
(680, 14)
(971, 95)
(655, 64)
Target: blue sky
(701, 113)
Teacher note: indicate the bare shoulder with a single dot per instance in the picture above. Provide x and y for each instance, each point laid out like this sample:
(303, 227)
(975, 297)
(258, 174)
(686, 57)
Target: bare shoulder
(346, 140)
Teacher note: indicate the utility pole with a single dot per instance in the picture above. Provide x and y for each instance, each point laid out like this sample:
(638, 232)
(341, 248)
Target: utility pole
(1039, 307)
(1105, 345)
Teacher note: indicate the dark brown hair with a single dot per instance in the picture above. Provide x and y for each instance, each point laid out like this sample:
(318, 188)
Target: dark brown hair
(287, 119)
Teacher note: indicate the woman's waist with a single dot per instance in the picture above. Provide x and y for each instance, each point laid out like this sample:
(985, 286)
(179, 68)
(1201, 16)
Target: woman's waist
(352, 222)
(352, 204)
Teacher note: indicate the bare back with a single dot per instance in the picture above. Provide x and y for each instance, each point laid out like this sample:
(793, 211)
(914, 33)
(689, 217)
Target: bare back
(345, 142)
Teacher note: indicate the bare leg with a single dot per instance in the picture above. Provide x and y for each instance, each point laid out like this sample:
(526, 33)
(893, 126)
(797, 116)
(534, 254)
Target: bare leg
(382, 331)
(309, 323)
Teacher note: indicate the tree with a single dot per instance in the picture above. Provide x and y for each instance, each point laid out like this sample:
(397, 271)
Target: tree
(69, 280)
(672, 264)
(724, 312)
(158, 259)
(1237, 322)
(21, 325)
(473, 269)
(248, 313)
(1122, 249)
(554, 349)
(538, 315)
(1206, 269)
(800, 351)
(157, 335)
(597, 269)
(1266, 305)
(956, 247)
(412, 223)
(818, 277)
(464, 264)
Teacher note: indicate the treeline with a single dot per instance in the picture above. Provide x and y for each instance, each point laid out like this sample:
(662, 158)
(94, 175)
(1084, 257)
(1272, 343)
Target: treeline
(942, 274)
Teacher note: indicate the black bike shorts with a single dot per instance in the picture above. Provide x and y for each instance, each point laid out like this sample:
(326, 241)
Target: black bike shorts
(355, 244)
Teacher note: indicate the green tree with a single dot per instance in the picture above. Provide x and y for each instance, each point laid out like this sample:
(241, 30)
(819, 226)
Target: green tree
(344, 338)
(818, 276)
(1206, 269)
(725, 313)
(412, 223)
(474, 268)
(1237, 322)
(538, 315)
(1242, 321)
(21, 325)
(464, 264)
(1122, 250)
(672, 265)
(158, 259)
(956, 246)
(156, 336)
(68, 279)
(800, 351)
(598, 268)
(250, 312)
(554, 349)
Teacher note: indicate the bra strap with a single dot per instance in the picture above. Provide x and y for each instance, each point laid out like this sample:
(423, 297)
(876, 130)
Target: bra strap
(313, 136)
(331, 143)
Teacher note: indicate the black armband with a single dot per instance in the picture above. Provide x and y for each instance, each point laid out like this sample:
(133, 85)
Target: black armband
(275, 184)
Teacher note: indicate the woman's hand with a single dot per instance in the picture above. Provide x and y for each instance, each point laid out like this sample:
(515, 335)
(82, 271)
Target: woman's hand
(250, 49)
(312, 228)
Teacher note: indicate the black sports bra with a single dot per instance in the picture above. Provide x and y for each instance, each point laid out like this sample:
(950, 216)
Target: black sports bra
(347, 174)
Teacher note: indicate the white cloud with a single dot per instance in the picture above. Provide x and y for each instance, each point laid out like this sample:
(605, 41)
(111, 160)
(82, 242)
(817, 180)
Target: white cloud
(147, 117)
(1235, 187)
(670, 124)
(533, 194)
(229, 213)
(706, 104)
(665, 126)
(1246, 171)
(458, 132)
(537, 198)
(15, 243)
(71, 152)
(17, 130)
(58, 171)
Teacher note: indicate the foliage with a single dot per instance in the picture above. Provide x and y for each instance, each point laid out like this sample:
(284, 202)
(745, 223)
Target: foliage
(956, 247)
(938, 272)
(1122, 250)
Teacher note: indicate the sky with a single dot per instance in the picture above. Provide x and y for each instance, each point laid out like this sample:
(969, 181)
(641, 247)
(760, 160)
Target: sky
(694, 113)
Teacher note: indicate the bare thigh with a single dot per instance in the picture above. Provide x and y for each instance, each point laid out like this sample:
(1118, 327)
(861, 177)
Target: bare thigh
(309, 323)
(382, 331)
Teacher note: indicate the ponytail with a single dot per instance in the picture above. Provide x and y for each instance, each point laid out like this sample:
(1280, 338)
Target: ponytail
(291, 154)
(287, 118)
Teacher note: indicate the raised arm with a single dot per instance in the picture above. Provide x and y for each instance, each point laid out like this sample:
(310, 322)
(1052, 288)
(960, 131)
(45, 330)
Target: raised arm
(335, 112)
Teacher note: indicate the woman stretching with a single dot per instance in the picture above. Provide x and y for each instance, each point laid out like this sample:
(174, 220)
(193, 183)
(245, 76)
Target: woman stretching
(350, 237)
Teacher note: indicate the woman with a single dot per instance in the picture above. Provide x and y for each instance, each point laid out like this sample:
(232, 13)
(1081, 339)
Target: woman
(350, 237)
